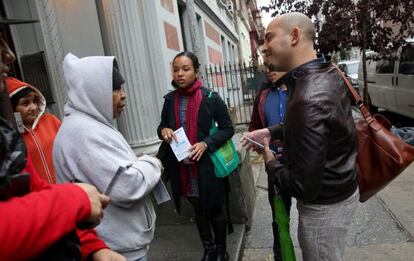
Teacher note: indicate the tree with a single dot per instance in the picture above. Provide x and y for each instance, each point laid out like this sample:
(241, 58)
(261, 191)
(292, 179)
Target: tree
(378, 25)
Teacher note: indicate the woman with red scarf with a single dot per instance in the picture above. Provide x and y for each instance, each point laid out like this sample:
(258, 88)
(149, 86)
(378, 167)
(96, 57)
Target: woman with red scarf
(193, 107)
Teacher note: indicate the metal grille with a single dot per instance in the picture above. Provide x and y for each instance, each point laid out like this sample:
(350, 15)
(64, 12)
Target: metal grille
(237, 85)
(34, 71)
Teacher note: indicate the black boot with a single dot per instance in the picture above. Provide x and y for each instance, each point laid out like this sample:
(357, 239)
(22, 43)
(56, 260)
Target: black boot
(204, 229)
(220, 236)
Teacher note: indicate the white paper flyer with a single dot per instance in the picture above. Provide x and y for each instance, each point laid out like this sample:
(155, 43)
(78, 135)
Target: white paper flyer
(181, 148)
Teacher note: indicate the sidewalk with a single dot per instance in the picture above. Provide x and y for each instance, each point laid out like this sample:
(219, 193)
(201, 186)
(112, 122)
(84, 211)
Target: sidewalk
(176, 237)
(383, 229)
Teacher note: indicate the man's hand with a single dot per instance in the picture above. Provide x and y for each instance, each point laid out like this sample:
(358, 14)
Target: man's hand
(267, 153)
(106, 254)
(168, 134)
(98, 202)
(257, 135)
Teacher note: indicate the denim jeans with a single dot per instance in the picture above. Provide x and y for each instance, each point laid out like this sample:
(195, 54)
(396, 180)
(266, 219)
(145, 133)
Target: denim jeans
(323, 228)
(144, 258)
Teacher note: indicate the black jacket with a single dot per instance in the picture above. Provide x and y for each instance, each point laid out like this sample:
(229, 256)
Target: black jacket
(319, 135)
(211, 189)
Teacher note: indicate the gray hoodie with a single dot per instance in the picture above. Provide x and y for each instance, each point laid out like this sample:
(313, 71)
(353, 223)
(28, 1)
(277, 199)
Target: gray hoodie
(89, 149)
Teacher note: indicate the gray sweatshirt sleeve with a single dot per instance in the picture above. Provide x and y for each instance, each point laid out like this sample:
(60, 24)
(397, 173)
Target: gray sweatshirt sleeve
(135, 181)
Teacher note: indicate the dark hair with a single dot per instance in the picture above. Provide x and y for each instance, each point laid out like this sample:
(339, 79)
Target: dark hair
(20, 94)
(190, 55)
(117, 79)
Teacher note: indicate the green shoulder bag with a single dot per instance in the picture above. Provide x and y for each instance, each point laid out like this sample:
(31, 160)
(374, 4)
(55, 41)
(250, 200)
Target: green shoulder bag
(225, 158)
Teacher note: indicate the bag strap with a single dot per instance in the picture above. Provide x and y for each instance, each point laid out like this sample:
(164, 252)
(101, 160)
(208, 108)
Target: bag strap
(209, 96)
(358, 101)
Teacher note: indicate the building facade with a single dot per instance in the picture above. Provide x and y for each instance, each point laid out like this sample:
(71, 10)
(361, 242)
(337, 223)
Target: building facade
(144, 35)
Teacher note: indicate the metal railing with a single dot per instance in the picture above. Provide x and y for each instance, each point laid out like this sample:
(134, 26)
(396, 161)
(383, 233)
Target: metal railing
(237, 85)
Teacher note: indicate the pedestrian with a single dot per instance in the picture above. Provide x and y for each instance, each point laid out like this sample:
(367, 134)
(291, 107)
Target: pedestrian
(88, 148)
(269, 109)
(319, 138)
(40, 128)
(193, 107)
(33, 225)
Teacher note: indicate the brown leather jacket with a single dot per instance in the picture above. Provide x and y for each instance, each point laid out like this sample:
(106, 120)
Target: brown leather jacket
(319, 135)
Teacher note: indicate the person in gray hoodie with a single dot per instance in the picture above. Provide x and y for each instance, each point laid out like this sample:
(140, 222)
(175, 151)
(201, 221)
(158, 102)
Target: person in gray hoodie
(89, 149)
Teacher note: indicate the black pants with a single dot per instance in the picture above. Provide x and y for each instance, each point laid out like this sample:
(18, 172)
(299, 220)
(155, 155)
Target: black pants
(287, 201)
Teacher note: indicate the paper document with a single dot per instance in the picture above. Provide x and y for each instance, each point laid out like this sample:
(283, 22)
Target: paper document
(181, 148)
(160, 193)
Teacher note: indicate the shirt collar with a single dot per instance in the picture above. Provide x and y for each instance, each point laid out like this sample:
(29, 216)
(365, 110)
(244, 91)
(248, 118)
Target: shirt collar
(290, 78)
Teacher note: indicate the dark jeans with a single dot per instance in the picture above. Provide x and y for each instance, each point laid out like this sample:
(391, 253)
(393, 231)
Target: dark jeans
(287, 200)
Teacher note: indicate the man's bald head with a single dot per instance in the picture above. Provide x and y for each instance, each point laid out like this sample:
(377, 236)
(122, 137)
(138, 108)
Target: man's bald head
(289, 42)
(291, 20)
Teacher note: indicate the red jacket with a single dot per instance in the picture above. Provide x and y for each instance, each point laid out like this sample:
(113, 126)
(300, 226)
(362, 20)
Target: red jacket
(258, 119)
(40, 136)
(39, 143)
(30, 224)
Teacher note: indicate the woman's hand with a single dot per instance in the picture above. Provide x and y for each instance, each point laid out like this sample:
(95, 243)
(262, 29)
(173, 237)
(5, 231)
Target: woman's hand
(168, 134)
(197, 150)
(106, 254)
(267, 153)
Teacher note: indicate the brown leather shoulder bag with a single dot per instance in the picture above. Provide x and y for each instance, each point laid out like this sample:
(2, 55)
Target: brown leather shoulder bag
(381, 155)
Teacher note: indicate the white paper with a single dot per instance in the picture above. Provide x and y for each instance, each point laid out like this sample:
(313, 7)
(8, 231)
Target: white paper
(160, 193)
(181, 148)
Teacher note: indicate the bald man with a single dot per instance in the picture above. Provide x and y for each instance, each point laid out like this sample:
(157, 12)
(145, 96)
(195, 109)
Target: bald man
(319, 137)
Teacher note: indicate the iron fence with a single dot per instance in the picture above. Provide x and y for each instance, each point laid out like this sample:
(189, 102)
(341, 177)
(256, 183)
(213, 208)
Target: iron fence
(237, 84)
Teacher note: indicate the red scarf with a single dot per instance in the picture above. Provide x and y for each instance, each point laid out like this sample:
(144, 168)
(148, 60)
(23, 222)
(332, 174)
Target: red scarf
(194, 95)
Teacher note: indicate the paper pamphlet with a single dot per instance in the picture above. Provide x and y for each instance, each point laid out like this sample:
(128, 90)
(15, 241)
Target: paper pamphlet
(181, 148)
(160, 193)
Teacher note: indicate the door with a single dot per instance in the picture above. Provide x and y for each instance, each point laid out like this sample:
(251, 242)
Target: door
(382, 85)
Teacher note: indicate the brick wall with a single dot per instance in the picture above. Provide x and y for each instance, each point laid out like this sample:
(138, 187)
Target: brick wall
(212, 33)
(214, 56)
(171, 36)
(168, 4)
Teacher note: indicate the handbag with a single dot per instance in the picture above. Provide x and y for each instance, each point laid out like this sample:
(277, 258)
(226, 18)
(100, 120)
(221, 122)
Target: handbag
(382, 156)
(226, 158)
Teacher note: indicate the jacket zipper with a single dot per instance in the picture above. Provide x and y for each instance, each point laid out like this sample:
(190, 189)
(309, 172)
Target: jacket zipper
(42, 156)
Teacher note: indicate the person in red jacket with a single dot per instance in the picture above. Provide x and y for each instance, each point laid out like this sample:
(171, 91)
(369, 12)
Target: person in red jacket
(39, 128)
(33, 214)
(268, 109)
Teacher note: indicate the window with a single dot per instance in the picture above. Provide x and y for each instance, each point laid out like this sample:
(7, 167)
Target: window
(353, 68)
(406, 65)
(385, 66)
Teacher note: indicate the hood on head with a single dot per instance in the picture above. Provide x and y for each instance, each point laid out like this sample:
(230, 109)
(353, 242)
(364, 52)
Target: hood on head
(89, 83)
(14, 86)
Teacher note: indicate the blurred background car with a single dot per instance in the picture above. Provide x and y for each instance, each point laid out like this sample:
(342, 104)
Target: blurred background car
(350, 68)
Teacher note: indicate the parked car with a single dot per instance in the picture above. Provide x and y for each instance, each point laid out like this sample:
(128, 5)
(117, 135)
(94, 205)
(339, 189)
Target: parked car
(350, 68)
(391, 82)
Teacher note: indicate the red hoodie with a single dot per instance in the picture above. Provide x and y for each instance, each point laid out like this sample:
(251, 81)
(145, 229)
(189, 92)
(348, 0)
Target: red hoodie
(40, 137)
